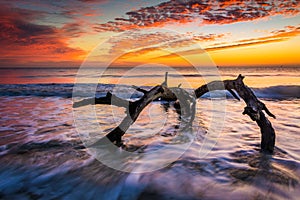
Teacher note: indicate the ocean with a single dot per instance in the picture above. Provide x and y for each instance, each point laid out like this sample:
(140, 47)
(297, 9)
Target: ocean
(43, 153)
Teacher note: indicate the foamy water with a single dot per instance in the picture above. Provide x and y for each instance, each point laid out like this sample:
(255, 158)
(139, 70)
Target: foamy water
(43, 157)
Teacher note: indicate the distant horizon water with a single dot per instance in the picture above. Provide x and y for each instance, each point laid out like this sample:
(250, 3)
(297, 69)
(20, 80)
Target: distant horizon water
(255, 76)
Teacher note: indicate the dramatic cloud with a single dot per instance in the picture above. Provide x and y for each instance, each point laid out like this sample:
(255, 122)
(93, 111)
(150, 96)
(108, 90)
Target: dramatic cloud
(73, 29)
(275, 36)
(23, 41)
(209, 12)
(46, 32)
(136, 43)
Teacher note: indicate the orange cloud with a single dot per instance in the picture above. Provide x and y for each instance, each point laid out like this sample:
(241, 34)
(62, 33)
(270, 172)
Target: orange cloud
(277, 36)
(136, 43)
(139, 48)
(24, 42)
(209, 12)
(143, 51)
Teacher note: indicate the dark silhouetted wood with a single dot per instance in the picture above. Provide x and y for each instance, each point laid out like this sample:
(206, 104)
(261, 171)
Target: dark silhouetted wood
(253, 109)
(185, 106)
(109, 99)
(134, 110)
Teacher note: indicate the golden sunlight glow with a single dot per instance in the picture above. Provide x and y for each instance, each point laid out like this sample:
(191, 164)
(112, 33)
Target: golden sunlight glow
(277, 53)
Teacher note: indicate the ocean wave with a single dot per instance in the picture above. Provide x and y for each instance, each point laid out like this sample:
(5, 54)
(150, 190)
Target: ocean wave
(66, 90)
(46, 90)
(278, 92)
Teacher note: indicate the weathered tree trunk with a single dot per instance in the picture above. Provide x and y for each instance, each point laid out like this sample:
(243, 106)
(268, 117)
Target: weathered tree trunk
(267, 133)
(254, 108)
(133, 111)
(109, 99)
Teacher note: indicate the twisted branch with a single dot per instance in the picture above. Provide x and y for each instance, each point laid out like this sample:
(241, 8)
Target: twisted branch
(254, 107)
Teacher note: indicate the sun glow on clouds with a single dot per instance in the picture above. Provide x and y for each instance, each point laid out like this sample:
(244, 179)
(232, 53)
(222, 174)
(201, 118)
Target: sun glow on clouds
(209, 12)
(238, 33)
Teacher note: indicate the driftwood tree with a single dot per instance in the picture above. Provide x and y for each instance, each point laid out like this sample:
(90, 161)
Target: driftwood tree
(186, 102)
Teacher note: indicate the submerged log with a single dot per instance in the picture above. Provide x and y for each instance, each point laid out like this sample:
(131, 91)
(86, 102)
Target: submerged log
(133, 111)
(254, 108)
(109, 99)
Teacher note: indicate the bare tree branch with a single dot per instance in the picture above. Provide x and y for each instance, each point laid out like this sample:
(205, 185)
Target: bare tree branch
(234, 94)
(139, 89)
(254, 108)
(135, 108)
(109, 99)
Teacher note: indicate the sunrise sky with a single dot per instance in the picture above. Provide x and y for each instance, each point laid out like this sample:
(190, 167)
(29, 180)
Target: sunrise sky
(234, 33)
